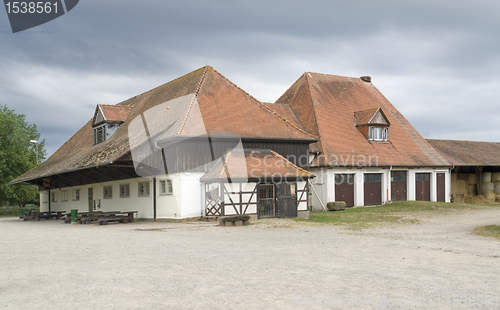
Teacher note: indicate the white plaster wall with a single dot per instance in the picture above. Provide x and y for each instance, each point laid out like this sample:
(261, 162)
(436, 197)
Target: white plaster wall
(303, 205)
(191, 194)
(319, 188)
(169, 206)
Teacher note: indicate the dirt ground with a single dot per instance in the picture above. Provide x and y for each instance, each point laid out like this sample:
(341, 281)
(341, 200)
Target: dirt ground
(274, 264)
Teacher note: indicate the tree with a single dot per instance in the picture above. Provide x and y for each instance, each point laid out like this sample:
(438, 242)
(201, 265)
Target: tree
(17, 155)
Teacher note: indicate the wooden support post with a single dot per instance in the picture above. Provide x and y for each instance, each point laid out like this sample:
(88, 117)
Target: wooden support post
(50, 199)
(479, 178)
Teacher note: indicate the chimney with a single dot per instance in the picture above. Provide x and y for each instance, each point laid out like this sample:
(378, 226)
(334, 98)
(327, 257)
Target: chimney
(367, 79)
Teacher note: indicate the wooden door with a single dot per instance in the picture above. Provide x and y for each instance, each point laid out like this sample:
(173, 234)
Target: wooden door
(399, 186)
(373, 189)
(266, 200)
(423, 186)
(441, 187)
(344, 189)
(91, 199)
(286, 198)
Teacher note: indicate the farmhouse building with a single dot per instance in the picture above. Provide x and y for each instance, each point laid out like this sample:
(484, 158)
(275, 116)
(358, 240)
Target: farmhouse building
(368, 153)
(199, 145)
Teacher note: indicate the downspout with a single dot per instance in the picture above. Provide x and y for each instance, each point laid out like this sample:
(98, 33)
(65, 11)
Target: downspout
(50, 200)
(154, 198)
(203, 193)
(389, 180)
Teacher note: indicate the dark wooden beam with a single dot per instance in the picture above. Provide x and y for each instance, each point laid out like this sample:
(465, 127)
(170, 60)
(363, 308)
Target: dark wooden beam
(479, 178)
(101, 173)
(119, 171)
(81, 173)
(68, 179)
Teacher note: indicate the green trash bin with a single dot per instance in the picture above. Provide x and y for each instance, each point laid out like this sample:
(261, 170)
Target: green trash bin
(74, 214)
(24, 211)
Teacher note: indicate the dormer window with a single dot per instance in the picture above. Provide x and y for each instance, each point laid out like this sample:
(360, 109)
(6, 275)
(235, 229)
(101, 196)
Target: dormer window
(99, 134)
(378, 133)
(107, 119)
(373, 124)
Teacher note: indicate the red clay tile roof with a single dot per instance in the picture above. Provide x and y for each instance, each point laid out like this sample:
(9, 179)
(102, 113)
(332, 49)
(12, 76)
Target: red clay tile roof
(255, 164)
(364, 117)
(114, 113)
(325, 105)
(468, 153)
(223, 107)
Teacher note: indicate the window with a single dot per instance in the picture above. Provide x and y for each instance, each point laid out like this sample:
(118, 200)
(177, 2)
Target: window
(422, 176)
(54, 197)
(108, 192)
(143, 189)
(99, 134)
(124, 190)
(76, 195)
(64, 196)
(398, 176)
(378, 134)
(213, 194)
(373, 177)
(344, 178)
(45, 197)
(166, 187)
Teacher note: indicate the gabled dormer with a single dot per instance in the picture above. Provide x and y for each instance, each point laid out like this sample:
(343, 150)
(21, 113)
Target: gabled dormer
(107, 119)
(373, 124)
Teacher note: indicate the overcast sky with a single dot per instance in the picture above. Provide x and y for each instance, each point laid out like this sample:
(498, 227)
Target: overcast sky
(437, 61)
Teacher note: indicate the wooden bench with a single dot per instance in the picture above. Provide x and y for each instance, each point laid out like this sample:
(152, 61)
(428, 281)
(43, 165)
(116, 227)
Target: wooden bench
(101, 217)
(120, 217)
(211, 218)
(36, 216)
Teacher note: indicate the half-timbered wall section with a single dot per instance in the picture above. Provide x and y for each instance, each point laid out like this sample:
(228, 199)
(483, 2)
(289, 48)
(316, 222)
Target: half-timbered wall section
(230, 198)
(224, 199)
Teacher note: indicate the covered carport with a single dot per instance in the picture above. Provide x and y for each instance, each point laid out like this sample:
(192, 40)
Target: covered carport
(476, 167)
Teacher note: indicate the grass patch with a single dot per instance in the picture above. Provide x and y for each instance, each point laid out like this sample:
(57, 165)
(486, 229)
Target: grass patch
(492, 231)
(396, 213)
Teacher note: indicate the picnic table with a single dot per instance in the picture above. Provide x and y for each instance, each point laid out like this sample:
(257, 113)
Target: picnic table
(103, 218)
(36, 216)
(120, 217)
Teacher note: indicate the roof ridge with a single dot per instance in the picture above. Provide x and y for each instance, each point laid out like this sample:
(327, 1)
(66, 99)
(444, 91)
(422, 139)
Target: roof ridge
(308, 85)
(180, 77)
(341, 76)
(264, 106)
(202, 79)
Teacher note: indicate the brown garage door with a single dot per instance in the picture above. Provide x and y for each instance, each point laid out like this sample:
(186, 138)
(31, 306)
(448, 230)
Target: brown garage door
(373, 189)
(399, 186)
(423, 186)
(344, 188)
(440, 187)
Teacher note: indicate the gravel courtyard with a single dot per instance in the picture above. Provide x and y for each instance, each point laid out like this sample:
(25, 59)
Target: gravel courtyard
(274, 264)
